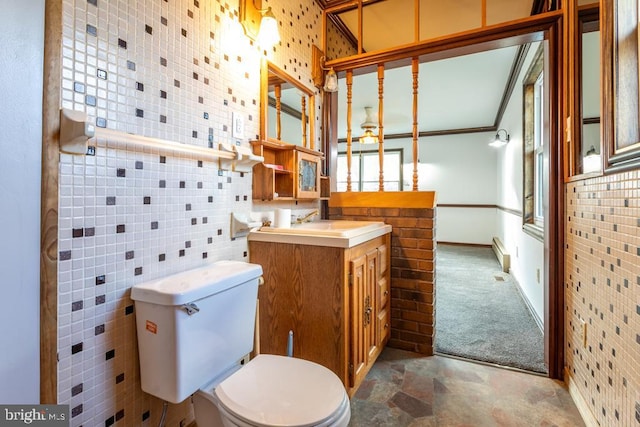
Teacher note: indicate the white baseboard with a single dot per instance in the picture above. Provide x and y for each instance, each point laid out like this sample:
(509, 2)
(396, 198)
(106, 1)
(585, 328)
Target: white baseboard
(581, 404)
(534, 314)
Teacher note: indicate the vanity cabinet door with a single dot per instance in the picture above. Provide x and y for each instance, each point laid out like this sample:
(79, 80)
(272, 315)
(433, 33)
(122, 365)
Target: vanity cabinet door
(358, 359)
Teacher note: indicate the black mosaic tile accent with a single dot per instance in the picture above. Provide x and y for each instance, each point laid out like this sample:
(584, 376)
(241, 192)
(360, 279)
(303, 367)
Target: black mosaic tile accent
(245, 254)
(76, 411)
(189, 14)
(176, 83)
(163, 94)
(137, 271)
(101, 122)
(89, 232)
(219, 232)
(109, 421)
(148, 29)
(91, 30)
(163, 118)
(205, 115)
(100, 299)
(209, 240)
(64, 255)
(122, 43)
(219, 186)
(129, 255)
(162, 257)
(110, 354)
(120, 228)
(140, 86)
(163, 61)
(183, 32)
(120, 378)
(163, 20)
(146, 200)
(128, 309)
(154, 225)
(111, 200)
(139, 165)
(99, 330)
(90, 100)
(199, 185)
(77, 232)
(162, 184)
(205, 220)
(100, 280)
(76, 389)
(163, 159)
(139, 113)
(204, 255)
(182, 184)
(131, 65)
(120, 414)
(210, 199)
(200, 100)
(187, 244)
(188, 207)
(77, 305)
(93, 2)
(194, 134)
(181, 253)
(76, 348)
(194, 221)
(195, 76)
(121, 173)
(146, 415)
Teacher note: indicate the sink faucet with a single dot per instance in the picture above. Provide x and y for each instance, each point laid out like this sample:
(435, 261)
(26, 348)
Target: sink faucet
(307, 217)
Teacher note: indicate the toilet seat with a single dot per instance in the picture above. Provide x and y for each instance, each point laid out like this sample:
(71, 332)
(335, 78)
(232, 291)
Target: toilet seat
(282, 391)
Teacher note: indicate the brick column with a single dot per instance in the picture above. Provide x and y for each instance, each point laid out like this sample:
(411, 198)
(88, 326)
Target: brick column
(413, 253)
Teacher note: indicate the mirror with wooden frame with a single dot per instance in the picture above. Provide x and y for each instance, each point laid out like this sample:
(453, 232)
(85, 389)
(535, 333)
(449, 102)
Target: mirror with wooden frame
(286, 108)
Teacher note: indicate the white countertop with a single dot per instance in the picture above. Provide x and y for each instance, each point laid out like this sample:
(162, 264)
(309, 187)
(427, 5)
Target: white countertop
(338, 234)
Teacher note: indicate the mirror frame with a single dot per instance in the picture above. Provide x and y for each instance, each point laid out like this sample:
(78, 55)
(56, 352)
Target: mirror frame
(266, 68)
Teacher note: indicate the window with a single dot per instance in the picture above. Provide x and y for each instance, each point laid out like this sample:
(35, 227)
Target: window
(365, 171)
(535, 133)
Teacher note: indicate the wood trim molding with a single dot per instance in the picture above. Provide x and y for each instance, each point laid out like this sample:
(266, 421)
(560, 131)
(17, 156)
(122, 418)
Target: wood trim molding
(383, 199)
(510, 211)
(428, 133)
(516, 67)
(49, 204)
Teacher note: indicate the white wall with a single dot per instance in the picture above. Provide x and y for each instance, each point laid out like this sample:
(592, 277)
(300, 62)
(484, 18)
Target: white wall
(462, 171)
(22, 40)
(527, 253)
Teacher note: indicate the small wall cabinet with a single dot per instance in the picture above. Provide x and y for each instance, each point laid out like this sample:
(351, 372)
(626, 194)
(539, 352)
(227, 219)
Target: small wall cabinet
(289, 172)
(335, 300)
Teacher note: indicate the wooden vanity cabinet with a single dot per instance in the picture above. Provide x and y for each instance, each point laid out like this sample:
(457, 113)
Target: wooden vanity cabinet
(335, 300)
(289, 172)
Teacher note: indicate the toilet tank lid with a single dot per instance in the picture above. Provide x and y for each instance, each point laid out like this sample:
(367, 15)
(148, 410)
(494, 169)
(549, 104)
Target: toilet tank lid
(195, 284)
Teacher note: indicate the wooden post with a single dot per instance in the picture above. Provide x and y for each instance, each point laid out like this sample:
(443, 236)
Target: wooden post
(278, 94)
(380, 125)
(303, 118)
(349, 95)
(414, 71)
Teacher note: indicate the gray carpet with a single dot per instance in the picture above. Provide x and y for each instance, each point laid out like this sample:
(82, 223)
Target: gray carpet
(481, 317)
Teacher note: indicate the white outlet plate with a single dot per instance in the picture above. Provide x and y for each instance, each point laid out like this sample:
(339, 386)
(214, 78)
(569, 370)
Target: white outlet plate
(582, 331)
(237, 125)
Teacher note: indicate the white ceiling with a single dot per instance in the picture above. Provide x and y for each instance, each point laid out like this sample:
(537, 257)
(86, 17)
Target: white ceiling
(455, 93)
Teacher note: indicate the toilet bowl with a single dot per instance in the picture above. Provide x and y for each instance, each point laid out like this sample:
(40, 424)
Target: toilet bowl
(274, 390)
(194, 327)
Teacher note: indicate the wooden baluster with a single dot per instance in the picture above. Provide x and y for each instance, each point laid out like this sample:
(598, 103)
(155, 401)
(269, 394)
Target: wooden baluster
(278, 94)
(303, 118)
(380, 125)
(312, 129)
(414, 71)
(349, 95)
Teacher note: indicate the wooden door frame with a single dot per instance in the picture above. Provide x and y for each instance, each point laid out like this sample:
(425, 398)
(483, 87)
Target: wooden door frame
(551, 25)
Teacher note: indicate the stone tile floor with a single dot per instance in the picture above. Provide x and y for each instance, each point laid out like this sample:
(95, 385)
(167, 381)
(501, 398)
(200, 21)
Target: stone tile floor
(407, 389)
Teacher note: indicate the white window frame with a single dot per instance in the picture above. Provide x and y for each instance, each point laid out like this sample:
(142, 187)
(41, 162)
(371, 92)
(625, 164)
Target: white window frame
(357, 165)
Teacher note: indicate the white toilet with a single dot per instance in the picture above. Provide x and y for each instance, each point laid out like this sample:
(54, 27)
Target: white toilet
(194, 328)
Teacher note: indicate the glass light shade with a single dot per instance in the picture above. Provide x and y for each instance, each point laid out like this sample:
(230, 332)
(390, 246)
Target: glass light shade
(500, 140)
(368, 137)
(331, 81)
(268, 35)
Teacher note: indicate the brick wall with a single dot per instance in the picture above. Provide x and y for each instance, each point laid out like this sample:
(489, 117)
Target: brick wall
(413, 252)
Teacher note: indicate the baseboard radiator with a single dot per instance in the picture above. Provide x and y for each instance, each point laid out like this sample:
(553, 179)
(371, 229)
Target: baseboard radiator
(501, 253)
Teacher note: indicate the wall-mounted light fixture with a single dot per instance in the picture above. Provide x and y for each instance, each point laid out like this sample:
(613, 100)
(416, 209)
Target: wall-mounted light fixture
(501, 139)
(329, 81)
(368, 137)
(260, 25)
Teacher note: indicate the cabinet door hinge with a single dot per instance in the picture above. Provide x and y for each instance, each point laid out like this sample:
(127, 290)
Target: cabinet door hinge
(350, 279)
(350, 368)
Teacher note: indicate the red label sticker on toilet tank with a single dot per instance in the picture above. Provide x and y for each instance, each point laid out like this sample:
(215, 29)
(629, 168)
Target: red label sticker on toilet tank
(152, 327)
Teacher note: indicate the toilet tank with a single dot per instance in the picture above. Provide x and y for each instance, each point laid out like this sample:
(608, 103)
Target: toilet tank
(194, 325)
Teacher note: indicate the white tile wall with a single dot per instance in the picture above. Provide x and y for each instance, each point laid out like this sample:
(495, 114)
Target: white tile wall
(123, 216)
